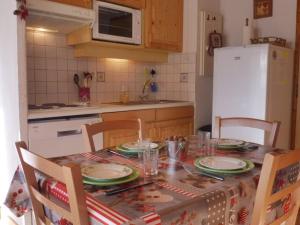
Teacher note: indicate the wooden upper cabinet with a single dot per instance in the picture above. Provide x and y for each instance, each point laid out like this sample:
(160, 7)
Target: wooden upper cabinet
(164, 24)
(136, 4)
(79, 3)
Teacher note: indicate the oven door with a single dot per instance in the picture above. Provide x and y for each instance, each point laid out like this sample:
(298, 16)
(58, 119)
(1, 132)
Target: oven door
(117, 23)
(60, 137)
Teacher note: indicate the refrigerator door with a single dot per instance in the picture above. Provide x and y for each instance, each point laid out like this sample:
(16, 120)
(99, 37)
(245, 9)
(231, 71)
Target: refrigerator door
(240, 88)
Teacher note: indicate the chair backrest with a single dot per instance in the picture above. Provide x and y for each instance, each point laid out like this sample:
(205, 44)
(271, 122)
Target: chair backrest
(69, 174)
(90, 130)
(274, 162)
(271, 127)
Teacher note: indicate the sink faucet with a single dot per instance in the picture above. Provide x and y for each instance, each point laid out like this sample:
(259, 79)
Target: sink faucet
(144, 95)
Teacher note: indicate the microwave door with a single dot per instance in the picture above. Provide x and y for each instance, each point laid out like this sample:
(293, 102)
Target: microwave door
(116, 25)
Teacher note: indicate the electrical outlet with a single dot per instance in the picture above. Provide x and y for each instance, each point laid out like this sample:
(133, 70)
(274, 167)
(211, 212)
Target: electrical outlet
(100, 76)
(184, 77)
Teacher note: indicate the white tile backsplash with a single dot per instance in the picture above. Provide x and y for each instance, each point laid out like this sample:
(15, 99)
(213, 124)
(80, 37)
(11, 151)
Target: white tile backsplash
(51, 66)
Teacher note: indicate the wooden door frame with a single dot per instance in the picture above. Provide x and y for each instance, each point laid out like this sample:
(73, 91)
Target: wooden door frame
(296, 78)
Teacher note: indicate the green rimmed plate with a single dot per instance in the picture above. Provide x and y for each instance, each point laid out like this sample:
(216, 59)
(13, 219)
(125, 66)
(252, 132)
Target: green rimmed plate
(222, 163)
(132, 177)
(136, 146)
(106, 171)
(127, 151)
(248, 168)
(228, 144)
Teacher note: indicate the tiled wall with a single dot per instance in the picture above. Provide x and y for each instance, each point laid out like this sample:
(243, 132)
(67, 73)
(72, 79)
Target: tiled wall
(51, 67)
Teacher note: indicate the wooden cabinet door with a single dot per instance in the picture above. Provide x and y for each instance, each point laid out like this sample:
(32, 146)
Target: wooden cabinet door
(178, 127)
(80, 3)
(136, 4)
(164, 24)
(116, 137)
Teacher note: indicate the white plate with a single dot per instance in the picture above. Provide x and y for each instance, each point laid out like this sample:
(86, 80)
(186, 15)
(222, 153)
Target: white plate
(137, 145)
(106, 171)
(222, 163)
(230, 142)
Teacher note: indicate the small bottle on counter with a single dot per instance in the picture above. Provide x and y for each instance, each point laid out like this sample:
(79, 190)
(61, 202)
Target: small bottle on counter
(124, 95)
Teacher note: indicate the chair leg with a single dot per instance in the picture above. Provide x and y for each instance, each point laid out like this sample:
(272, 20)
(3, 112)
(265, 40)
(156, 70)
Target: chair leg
(298, 217)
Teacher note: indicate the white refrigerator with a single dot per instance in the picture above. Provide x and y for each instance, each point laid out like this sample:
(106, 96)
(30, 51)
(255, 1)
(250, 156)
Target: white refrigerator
(254, 81)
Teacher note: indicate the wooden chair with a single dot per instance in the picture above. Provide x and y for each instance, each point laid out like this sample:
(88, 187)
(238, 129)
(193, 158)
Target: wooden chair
(271, 127)
(90, 130)
(68, 174)
(264, 197)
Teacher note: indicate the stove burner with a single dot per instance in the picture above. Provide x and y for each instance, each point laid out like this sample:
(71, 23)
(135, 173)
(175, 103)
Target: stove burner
(52, 106)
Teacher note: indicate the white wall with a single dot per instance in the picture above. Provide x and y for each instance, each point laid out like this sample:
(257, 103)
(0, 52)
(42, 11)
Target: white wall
(10, 122)
(204, 84)
(281, 24)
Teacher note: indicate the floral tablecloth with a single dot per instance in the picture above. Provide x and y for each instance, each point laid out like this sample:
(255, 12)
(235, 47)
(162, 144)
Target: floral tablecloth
(175, 198)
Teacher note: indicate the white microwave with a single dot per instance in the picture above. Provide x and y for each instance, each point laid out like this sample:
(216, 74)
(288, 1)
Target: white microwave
(117, 23)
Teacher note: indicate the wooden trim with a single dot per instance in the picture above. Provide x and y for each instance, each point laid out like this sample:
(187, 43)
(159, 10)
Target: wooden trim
(78, 3)
(136, 4)
(295, 79)
(119, 51)
(85, 46)
(147, 115)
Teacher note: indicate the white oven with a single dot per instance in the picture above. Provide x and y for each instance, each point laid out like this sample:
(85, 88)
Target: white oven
(61, 136)
(117, 23)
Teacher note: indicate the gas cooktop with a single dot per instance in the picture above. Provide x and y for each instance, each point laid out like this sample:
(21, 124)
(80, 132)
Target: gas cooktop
(53, 106)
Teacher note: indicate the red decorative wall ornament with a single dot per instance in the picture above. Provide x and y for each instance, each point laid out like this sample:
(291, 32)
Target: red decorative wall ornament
(22, 10)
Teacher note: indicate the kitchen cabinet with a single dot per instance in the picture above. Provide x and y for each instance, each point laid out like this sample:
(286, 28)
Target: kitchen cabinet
(158, 124)
(164, 24)
(116, 137)
(80, 3)
(177, 121)
(176, 127)
(136, 4)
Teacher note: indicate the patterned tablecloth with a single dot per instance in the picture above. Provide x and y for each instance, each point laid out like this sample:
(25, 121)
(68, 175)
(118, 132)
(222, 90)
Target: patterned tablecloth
(175, 198)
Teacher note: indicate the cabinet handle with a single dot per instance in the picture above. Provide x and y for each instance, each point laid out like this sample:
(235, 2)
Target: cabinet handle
(68, 133)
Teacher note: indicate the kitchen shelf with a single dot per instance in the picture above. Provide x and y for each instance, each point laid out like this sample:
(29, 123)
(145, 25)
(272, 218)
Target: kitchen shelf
(85, 46)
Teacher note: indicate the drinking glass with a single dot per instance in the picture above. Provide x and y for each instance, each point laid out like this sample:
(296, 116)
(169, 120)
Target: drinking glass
(150, 158)
(209, 147)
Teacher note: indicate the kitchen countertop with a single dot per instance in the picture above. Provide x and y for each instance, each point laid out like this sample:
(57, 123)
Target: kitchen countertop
(98, 109)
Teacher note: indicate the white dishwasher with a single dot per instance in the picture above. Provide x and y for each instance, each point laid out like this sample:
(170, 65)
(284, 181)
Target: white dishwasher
(53, 137)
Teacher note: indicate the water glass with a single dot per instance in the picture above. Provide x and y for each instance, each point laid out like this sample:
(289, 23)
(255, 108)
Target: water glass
(209, 147)
(150, 158)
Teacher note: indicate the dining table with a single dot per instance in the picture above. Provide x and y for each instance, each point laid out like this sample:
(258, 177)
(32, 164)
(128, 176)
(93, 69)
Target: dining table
(175, 196)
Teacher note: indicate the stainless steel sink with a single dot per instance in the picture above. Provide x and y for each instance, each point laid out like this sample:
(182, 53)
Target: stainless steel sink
(146, 102)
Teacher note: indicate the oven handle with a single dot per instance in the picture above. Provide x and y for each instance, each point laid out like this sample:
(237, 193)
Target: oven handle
(68, 133)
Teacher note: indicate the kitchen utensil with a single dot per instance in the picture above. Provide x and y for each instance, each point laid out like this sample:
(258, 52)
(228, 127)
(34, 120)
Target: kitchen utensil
(116, 191)
(193, 171)
(222, 163)
(76, 80)
(118, 154)
(106, 171)
(132, 177)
